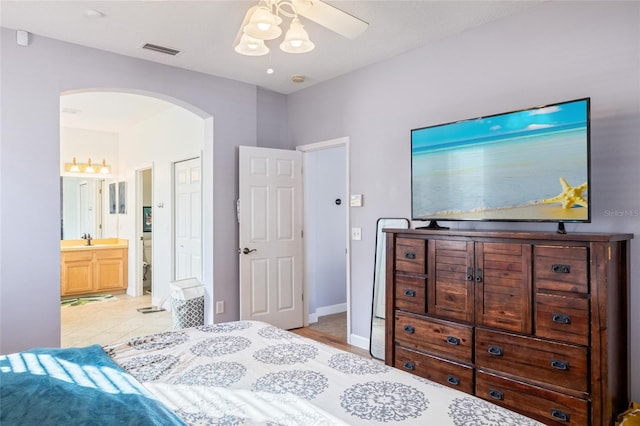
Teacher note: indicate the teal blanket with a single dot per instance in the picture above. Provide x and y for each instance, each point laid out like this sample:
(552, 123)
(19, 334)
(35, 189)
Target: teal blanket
(76, 386)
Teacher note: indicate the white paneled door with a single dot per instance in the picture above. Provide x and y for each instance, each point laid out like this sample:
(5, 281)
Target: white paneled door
(188, 219)
(271, 257)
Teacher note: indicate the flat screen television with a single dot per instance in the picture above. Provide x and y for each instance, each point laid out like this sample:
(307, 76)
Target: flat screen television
(526, 165)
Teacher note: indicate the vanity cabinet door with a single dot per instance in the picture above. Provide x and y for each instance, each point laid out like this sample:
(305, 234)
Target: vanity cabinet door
(76, 273)
(110, 271)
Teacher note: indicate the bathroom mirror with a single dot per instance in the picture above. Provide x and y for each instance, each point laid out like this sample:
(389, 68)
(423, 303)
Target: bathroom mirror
(376, 341)
(84, 208)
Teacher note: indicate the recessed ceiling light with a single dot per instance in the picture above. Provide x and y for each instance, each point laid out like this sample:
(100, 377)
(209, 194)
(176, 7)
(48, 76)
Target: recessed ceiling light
(297, 78)
(93, 14)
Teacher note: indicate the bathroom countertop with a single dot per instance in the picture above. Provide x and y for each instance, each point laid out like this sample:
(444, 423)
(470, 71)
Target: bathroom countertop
(96, 244)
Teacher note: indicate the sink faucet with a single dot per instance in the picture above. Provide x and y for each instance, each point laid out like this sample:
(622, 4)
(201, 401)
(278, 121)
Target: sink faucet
(89, 239)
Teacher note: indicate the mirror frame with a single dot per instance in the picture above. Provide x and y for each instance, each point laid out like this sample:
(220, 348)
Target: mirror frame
(379, 275)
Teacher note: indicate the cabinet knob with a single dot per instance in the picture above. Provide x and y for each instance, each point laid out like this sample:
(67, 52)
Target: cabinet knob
(453, 340)
(561, 269)
(560, 415)
(561, 318)
(495, 350)
(559, 365)
(409, 365)
(453, 380)
(496, 394)
(410, 293)
(409, 329)
(409, 255)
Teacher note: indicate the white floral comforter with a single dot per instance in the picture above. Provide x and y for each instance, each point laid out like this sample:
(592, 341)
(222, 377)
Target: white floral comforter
(247, 373)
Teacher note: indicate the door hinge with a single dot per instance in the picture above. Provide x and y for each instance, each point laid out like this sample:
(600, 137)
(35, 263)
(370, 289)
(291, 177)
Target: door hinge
(302, 233)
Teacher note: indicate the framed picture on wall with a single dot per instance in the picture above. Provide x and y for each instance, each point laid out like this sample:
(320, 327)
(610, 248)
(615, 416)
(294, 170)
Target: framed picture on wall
(112, 198)
(122, 197)
(146, 219)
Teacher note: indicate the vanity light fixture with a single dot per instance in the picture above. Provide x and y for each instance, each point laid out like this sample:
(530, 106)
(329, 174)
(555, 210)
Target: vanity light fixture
(88, 167)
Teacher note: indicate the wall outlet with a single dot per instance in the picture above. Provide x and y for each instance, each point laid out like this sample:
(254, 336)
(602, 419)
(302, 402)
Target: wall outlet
(356, 233)
(220, 307)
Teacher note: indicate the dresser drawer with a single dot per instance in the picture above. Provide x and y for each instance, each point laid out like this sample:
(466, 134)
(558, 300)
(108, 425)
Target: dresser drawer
(562, 318)
(436, 369)
(411, 294)
(561, 268)
(410, 255)
(436, 337)
(533, 359)
(550, 407)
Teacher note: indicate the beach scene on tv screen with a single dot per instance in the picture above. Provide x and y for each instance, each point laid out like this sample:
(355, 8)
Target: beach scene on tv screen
(524, 165)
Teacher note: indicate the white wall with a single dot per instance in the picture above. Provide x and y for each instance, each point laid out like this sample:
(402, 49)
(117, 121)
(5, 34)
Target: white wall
(32, 79)
(556, 51)
(172, 135)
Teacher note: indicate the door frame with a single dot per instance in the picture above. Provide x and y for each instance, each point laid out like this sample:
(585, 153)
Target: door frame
(306, 149)
(139, 246)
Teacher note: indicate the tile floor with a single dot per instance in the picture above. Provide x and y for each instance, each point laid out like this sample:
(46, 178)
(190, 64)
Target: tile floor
(110, 321)
(117, 319)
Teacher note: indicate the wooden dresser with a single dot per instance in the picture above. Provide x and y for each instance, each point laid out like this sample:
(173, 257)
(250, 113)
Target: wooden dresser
(535, 322)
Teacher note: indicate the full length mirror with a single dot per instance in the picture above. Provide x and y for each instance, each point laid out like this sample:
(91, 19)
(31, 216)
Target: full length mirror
(376, 341)
(84, 208)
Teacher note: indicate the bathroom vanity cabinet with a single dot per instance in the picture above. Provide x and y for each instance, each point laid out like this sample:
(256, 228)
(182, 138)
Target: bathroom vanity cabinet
(93, 269)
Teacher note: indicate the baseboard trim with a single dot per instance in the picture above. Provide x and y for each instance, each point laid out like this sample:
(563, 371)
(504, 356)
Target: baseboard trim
(327, 310)
(360, 342)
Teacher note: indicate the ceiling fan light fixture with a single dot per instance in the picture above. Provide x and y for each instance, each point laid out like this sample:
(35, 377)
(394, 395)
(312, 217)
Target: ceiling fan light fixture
(297, 40)
(263, 25)
(250, 46)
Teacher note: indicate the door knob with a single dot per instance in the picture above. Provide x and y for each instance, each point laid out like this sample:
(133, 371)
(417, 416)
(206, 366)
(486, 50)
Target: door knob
(247, 251)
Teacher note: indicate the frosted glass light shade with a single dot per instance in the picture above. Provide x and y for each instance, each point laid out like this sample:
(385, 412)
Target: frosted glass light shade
(263, 25)
(297, 40)
(250, 46)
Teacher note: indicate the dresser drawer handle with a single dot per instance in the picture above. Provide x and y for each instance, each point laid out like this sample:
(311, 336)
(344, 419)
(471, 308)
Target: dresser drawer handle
(453, 340)
(496, 394)
(560, 365)
(561, 318)
(410, 293)
(409, 365)
(409, 329)
(560, 415)
(561, 269)
(409, 255)
(453, 380)
(495, 350)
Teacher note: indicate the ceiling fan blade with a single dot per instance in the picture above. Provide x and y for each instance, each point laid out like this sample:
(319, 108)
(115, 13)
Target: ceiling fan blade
(331, 17)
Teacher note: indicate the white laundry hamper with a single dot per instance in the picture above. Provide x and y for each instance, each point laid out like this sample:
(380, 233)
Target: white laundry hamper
(187, 303)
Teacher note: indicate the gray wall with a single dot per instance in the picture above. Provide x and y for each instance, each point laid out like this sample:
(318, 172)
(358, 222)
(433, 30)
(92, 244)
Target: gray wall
(32, 79)
(325, 228)
(554, 52)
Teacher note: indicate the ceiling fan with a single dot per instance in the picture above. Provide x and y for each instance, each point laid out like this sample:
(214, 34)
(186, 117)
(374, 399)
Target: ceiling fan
(262, 23)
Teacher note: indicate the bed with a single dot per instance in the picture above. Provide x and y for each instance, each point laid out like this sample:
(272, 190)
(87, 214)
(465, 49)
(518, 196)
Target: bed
(237, 373)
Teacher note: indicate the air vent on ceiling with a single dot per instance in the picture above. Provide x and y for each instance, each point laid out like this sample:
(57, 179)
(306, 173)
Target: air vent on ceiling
(161, 49)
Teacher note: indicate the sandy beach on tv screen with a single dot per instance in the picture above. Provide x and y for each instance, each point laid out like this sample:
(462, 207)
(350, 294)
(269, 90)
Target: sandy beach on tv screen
(549, 212)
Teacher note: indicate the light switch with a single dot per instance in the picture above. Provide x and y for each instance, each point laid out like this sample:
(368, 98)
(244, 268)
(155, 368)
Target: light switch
(356, 200)
(356, 234)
